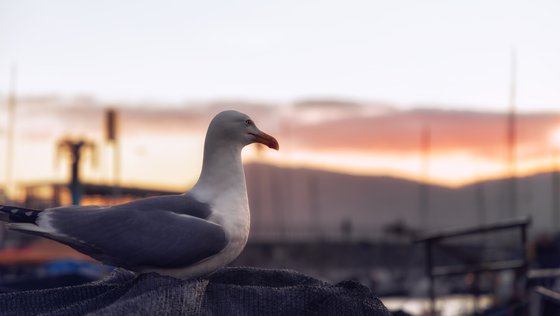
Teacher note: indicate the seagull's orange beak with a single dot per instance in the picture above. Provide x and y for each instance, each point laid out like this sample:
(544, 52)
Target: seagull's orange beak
(266, 139)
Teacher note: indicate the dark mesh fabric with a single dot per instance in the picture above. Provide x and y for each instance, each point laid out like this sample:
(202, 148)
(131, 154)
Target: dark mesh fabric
(230, 291)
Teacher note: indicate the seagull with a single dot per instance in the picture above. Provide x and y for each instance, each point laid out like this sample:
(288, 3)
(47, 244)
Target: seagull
(184, 236)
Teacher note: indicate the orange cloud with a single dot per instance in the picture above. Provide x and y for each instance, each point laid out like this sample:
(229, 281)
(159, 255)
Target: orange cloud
(477, 133)
(373, 138)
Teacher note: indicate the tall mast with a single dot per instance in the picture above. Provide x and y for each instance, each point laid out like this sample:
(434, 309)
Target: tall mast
(424, 205)
(512, 139)
(10, 133)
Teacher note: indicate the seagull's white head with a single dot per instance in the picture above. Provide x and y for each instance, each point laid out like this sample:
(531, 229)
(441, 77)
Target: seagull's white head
(238, 128)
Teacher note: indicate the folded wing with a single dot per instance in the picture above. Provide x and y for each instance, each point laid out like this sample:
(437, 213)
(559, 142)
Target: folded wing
(137, 234)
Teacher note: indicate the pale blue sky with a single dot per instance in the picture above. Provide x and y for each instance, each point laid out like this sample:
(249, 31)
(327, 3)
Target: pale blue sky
(454, 54)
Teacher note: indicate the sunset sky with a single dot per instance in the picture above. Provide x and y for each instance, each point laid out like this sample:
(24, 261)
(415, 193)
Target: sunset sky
(162, 145)
(344, 85)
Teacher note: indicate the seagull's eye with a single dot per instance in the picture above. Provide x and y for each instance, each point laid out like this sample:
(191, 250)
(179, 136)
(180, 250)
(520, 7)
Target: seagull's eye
(249, 122)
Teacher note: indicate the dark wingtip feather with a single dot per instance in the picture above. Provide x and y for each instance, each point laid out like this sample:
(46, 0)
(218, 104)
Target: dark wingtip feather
(14, 214)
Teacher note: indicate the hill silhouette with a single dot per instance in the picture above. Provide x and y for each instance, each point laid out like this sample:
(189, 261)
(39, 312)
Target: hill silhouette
(306, 203)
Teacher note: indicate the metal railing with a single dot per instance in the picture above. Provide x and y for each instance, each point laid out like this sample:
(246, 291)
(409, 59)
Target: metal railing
(472, 266)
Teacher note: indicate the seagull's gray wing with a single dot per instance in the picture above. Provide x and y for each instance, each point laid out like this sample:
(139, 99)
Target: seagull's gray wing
(182, 204)
(132, 235)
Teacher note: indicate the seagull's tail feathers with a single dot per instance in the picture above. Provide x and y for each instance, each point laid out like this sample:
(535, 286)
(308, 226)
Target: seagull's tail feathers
(22, 219)
(18, 215)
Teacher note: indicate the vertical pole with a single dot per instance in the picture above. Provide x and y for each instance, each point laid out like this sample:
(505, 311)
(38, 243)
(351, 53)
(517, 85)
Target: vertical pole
(75, 186)
(429, 272)
(476, 293)
(10, 133)
(116, 170)
(525, 257)
(512, 139)
(424, 204)
(556, 192)
(75, 148)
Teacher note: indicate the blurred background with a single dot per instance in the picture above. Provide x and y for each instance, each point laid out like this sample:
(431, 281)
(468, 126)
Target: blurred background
(420, 140)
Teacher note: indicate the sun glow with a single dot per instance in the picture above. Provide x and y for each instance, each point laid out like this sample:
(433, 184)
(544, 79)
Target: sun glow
(555, 138)
(448, 169)
(163, 154)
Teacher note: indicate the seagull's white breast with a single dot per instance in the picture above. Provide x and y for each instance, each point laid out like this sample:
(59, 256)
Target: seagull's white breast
(227, 196)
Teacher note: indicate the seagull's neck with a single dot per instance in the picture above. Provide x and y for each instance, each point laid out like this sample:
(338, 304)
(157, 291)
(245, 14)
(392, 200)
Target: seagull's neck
(222, 173)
